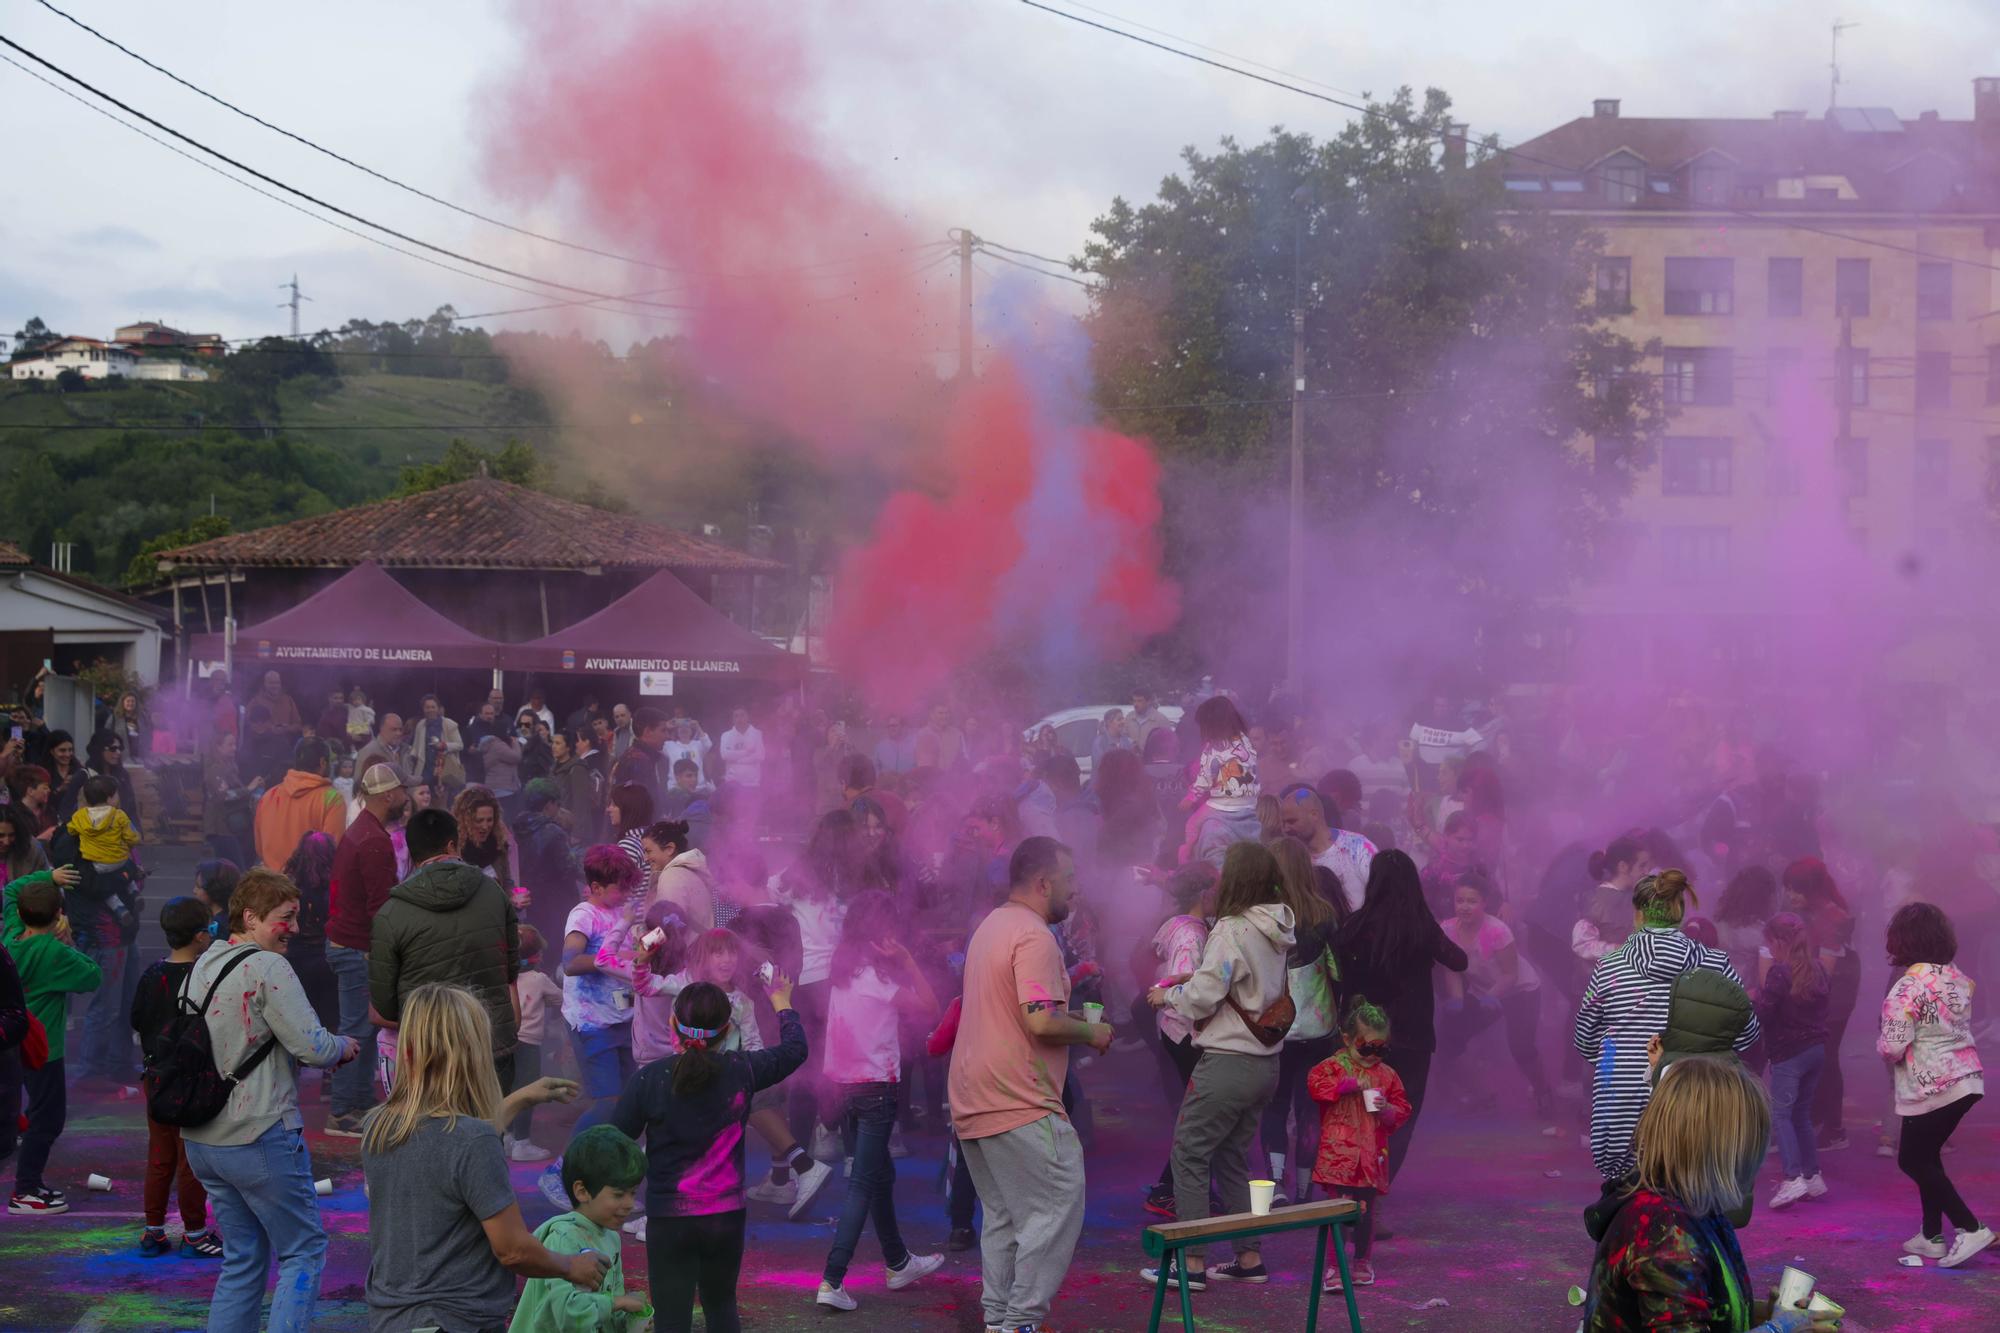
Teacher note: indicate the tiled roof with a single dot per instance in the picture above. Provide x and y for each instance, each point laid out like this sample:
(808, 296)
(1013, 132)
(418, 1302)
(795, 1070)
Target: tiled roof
(11, 554)
(476, 524)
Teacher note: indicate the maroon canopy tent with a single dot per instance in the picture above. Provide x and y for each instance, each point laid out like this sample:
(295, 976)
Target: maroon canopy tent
(659, 628)
(363, 618)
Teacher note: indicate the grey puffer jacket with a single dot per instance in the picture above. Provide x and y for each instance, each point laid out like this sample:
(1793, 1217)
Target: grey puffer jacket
(447, 922)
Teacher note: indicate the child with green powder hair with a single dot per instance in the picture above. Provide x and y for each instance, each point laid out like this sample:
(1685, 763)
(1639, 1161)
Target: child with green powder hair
(601, 1171)
(1361, 1102)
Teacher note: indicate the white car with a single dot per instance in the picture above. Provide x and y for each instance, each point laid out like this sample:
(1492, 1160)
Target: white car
(1076, 728)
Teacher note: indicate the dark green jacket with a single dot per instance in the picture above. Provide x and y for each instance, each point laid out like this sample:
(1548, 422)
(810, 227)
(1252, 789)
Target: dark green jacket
(1706, 1013)
(447, 922)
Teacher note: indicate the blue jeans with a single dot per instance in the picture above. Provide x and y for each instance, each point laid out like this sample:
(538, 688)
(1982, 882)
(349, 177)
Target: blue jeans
(1792, 1085)
(353, 1082)
(262, 1193)
(867, 1117)
(604, 1066)
(104, 1048)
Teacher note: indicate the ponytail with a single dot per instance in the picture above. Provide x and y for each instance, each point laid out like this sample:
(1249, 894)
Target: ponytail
(701, 1016)
(1621, 852)
(1662, 898)
(1361, 1014)
(1788, 932)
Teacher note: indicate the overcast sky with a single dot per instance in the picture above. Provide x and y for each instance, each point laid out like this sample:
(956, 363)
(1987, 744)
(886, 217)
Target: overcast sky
(984, 113)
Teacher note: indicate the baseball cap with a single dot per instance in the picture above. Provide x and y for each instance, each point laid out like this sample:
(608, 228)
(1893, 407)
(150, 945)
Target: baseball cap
(380, 778)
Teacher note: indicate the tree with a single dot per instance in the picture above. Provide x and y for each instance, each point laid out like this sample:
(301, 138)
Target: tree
(1450, 362)
(32, 337)
(145, 566)
(462, 461)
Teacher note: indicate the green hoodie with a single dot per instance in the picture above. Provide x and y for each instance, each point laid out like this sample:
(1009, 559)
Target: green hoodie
(556, 1305)
(447, 922)
(51, 972)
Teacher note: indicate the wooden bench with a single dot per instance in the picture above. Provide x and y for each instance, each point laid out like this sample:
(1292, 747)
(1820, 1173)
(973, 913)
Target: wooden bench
(1169, 1242)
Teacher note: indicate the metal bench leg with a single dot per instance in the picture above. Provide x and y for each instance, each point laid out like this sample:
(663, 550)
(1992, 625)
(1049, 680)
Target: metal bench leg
(1346, 1278)
(1159, 1294)
(1314, 1278)
(1187, 1303)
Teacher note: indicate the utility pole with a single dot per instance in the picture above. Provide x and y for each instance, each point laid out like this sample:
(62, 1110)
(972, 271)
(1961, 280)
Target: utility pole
(1295, 573)
(297, 296)
(1833, 64)
(965, 238)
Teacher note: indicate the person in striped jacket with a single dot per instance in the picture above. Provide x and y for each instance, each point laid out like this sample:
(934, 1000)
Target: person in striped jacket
(1625, 1004)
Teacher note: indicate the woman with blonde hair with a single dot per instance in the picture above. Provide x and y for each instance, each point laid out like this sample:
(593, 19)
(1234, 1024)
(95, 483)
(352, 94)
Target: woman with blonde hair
(446, 1236)
(1311, 977)
(1667, 1256)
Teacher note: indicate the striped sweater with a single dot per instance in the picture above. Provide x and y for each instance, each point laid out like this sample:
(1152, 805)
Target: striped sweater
(1624, 1004)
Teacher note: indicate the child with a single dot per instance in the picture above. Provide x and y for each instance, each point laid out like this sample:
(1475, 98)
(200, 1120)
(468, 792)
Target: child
(716, 957)
(602, 1169)
(599, 963)
(1792, 1006)
(692, 1107)
(1175, 951)
(1354, 1140)
(875, 983)
(214, 884)
(184, 921)
(1225, 781)
(104, 834)
(540, 996)
(51, 972)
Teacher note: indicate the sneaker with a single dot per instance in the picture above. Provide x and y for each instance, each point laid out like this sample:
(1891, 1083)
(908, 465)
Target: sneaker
(961, 1240)
(1966, 1244)
(914, 1267)
(521, 1150)
(769, 1191)
(898, 1150)
(1160, 1203)
(202, 1245)
(1816, 1186)
(343, 1127)
(37, 1202)
(1279, 1199)
(810, 1182)
(551, 1185)
(1235, 1272)
(826, 1144)
(1789, 1193)
(1832, 1140)
(1924, 1246)
(1364, 1276)
(153, 1242)
(836, 1297)
(636, 1229)
(1884, 1148)
(1196, 1281)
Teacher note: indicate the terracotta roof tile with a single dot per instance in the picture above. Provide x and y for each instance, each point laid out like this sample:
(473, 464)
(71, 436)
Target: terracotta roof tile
(476, 524)
(11, 554)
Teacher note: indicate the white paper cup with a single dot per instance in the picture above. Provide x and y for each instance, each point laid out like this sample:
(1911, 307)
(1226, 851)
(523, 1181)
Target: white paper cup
(1261, 1192)
(323, 1186)
(1372, 1098)
(1093, 1013)
(1794, 1287)
(1819, 1304)
(102, 1184)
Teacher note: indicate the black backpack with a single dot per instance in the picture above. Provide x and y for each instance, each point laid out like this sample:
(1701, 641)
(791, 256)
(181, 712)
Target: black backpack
(186, 1088)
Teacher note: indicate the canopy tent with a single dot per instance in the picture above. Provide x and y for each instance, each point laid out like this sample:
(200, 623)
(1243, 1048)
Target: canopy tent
(364, 618)
(657, 631)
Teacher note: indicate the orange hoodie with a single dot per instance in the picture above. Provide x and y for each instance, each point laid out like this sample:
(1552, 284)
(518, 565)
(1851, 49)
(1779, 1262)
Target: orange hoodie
(303, 803)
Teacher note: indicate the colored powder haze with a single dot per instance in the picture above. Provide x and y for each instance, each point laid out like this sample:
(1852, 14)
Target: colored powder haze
(1014, 524)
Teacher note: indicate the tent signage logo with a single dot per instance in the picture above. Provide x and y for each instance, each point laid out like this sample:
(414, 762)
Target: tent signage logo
(326, 652)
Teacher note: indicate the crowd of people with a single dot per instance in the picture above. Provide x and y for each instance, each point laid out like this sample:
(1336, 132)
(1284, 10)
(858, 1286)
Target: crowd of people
(844, 936)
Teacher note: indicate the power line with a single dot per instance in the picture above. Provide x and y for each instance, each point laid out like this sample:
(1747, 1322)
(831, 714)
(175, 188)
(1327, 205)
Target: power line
(1405, 123)
(1059, 277)
(1025, 254)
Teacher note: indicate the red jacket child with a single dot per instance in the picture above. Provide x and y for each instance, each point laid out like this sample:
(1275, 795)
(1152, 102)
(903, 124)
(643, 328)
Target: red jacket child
(1354, 1141)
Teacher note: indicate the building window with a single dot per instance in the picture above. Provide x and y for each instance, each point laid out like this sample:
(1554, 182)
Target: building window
(1850, 287)
(1781, 368)
(1933, 469)
(1785, 293)
(1614, 286)
(1694, 553)
(1857, 376)
(1701, 286)
(1622, 181)
(1852, 456)
(1781, 471)
(1933, 379)
(1703, 376)
(1523, 184)
(1711, 185)
(1934, 291)
(1694, 465)
(1565, 185)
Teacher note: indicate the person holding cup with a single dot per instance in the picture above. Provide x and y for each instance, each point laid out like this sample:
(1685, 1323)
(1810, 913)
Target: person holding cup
(1667, 1255)
(1361, 1101)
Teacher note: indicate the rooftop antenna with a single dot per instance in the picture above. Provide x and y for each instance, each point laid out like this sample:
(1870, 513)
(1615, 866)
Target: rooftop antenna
(297, 296)
(1833, 89)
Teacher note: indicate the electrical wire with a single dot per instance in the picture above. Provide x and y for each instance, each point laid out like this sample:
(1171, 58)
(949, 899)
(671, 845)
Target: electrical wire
(1403, 122)
(1025, 254)
(1031, 268)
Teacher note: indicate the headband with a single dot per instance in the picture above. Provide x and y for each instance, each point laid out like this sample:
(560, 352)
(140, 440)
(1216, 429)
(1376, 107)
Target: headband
(696, 1034)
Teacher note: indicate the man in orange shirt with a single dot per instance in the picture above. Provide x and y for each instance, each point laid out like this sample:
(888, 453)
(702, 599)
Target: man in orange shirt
(305, 802)
(1007, 1072)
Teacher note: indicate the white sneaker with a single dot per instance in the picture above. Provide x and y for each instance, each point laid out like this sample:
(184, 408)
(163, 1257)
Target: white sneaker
(764, 1191)
(826, 1144)
(1923, 1245)
(922, 1265)
(1966, 1244)
(636, 1229)
(898, 1150)
(1816, 1186)
(521, 1150)
(836, 1297)
(551, 1185)
(810, 1183)
(1789, 1193)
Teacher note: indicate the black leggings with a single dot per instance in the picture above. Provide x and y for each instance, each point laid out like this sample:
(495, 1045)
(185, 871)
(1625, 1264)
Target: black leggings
(1414, 1068)
(1521, 1012)
(1919, 1158)
(1363, 1231)
(1295, 1060)
(686, 1255)
(1844, 989)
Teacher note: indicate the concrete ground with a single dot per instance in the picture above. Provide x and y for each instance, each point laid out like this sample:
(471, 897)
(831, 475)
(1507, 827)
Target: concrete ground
(1486, 1222)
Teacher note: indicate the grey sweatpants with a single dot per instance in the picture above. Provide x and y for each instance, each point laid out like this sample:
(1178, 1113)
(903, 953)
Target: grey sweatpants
(1030, 1182)
(1226, 1098)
